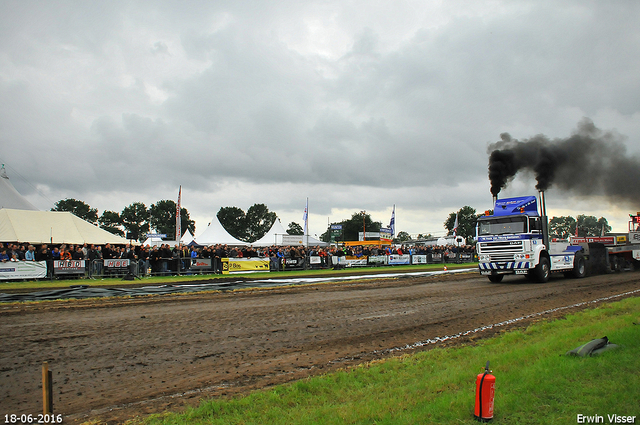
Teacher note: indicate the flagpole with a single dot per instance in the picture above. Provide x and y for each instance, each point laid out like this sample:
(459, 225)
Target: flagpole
(306, 223)
(178, 220)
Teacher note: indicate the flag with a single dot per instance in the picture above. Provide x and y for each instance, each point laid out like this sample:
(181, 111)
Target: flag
(305, 217)
(455, 225)
(576, 229)
(392, 223)
(178, 221)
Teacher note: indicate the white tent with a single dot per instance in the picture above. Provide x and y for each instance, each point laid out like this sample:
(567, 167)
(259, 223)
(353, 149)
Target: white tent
(311, 241)
(451, 240)
(9, 196)
(273, 236)
(187, 238)
(157, 242)
(216, 234)
(56, 227)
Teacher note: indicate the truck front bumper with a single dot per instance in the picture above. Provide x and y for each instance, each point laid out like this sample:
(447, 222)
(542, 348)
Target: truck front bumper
(511, 267)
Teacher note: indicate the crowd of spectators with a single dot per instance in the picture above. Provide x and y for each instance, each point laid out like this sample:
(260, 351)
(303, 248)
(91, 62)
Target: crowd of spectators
(164, 259)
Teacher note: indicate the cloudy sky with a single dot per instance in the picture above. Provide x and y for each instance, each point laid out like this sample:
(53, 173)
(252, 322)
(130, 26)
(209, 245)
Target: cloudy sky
(356, 105)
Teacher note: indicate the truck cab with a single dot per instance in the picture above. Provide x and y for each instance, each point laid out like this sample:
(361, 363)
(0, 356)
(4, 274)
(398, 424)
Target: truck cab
(514, 240)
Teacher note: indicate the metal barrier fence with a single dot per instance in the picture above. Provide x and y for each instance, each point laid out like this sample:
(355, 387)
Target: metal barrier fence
(131, 269)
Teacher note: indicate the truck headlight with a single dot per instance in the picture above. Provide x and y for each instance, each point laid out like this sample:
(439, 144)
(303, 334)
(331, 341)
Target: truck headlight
(483, 257)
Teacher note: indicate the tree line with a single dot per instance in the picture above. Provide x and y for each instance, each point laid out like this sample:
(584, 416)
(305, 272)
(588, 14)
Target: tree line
(136, 221)
(559, 227)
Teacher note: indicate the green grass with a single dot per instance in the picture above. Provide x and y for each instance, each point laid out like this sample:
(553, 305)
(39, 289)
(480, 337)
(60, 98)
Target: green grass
(535, 382)
(163, 280)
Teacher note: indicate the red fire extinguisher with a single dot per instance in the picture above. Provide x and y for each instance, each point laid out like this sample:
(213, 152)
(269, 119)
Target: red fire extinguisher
(485, 391)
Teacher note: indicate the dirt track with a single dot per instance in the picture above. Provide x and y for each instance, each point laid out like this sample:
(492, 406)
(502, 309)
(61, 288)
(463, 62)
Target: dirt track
(117, 358)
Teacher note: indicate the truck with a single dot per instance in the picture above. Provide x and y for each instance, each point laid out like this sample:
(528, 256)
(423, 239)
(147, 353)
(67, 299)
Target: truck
(514, 239)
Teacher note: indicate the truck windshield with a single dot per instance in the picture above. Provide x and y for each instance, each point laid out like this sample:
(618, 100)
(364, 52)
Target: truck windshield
(502, 226)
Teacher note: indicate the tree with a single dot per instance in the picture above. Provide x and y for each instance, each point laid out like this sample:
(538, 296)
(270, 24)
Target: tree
(247, 227)
(111, 222)
(135, 219)
(162, 218)
(591, 226)
(402, 237)
(258, 221)
(233, 220)
(467, 219)
(294, 229)
(562, 227)
(354, 225)
(77, 208)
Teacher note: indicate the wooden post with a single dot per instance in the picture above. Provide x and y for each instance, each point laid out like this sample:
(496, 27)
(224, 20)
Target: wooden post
(47, 389)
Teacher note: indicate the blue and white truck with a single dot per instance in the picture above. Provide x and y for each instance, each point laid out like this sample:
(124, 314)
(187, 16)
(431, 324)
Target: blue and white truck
(515, 240)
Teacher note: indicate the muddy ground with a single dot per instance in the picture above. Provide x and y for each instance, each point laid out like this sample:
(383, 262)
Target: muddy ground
(113, 359)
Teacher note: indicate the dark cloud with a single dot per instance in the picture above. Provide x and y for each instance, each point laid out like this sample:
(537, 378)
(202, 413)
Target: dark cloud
(589, 162)
(358, 102)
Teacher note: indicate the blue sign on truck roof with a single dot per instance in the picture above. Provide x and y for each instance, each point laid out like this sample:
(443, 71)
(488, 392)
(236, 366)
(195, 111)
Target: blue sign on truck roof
(527, 205)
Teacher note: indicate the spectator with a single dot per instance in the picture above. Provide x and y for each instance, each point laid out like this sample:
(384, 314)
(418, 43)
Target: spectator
(78, 254)
(30, 255)
(64, 254)
(106, 252)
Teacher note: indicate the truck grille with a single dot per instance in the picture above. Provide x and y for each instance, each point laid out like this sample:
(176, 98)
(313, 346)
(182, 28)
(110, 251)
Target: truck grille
(501, 251)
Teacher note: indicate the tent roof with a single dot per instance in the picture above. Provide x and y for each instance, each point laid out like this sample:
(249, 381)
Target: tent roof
(55, 227)
(9, 196)
(187, 238)
(311, 241)
(273, 236)
(216, 234)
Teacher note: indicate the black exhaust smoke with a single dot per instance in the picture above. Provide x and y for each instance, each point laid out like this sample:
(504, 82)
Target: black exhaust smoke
(589, 162)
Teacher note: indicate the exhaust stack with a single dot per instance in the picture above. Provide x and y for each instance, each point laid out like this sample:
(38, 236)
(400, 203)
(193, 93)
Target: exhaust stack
(545, 221)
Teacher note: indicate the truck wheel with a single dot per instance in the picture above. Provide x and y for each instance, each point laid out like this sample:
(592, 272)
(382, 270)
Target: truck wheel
(579, 266)
(541, 272)
(617, 264)
(496, 278)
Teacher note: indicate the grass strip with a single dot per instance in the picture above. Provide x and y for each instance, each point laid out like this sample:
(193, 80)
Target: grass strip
(535, 382)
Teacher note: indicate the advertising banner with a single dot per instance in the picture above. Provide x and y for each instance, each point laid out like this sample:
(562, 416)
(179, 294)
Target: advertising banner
(293, 263)
(350, 261)
(292, 239)
(466, 257)
(369, 235)
(607, 240)
(23, 270)
(378, 260)
(244, 265)
(315, 259)
(116, 266)
(68, 267)
(450, 257)
(200, 264)
(395, 260)
(418, 259)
